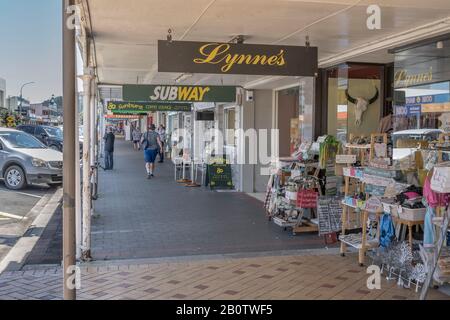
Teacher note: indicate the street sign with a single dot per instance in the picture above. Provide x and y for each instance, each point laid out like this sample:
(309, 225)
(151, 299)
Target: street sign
(231, 58)
(177, 94)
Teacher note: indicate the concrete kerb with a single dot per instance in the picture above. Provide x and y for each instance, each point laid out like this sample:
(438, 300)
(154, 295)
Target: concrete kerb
(17, 256)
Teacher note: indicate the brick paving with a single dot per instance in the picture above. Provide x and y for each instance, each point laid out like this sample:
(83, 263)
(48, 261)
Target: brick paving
(307, 277)
(139, 218)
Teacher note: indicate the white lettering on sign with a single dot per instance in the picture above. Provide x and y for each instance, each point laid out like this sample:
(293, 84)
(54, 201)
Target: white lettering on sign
(175, 93)
(374, 20)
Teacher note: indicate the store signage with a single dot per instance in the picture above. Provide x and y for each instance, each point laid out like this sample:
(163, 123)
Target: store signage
(220, 176)
(403, 78)
(408, 110)
(124, 107)
(122, 116)
(345, 158)
(166, 93)
(231, 58)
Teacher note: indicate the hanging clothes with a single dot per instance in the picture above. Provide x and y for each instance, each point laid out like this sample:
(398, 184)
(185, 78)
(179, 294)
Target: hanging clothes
(429, 232)
(387, 230)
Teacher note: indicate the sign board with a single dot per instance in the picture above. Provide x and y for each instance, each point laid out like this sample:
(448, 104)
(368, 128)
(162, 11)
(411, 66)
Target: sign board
(374, 205)
(231, 58)
(124, 107)
(174, 93)
(329, 212)
(345, 159)
(122, 117)
(220, 176)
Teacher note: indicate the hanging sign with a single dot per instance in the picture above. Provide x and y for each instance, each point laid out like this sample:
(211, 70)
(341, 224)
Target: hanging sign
(168, 93)
(124, 107)
(231, 58)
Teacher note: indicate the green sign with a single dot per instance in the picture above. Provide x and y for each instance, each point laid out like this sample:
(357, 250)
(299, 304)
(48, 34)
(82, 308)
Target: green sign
(124, 107)
(219, 176)
(167, 93)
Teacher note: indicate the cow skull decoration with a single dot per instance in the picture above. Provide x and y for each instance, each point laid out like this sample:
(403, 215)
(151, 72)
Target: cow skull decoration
(361, 105)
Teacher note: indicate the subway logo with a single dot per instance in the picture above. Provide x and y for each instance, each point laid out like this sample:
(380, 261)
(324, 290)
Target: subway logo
(179, 93)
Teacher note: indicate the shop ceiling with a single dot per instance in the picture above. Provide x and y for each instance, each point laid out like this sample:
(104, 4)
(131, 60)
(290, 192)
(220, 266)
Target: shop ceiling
(126, 32)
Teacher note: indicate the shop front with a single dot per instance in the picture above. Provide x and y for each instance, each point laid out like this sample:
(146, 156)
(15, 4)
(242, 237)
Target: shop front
(422, 85)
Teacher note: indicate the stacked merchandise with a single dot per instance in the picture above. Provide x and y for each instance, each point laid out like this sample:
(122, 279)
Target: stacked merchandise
(327, 155)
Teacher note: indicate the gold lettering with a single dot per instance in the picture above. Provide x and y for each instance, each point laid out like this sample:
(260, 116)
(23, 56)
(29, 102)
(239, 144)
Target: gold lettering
(183, 93)
(194, 95)
(403, 79)
(281, 61)
(215, 53)
(203, 91)
(219, 50)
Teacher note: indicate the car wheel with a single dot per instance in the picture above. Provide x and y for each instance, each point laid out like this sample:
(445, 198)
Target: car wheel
(15, 178)
(53, 147)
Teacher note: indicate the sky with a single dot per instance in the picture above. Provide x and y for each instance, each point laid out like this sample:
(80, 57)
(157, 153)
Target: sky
(31, 47)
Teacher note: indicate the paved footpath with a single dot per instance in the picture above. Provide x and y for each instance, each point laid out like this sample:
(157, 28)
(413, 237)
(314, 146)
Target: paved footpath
(308, 277)
(138, 218)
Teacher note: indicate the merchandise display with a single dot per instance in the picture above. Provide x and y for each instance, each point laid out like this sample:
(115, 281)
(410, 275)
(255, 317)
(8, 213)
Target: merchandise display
(398, 209)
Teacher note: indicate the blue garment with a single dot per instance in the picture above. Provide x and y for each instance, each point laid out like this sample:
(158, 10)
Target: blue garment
(150, 155)
(387, 230)
(428, 233)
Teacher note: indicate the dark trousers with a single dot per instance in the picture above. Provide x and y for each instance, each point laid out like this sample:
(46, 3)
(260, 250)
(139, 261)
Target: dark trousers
(109, 160)
(161, 152)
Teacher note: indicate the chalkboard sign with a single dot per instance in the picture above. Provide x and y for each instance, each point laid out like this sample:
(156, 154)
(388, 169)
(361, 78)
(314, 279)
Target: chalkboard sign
(219, 176)
(329, 211)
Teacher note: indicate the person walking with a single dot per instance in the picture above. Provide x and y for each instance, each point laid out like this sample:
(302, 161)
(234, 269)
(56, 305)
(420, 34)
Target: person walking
(150, 142)
(136, 139)
(110, 139)
(162, 136)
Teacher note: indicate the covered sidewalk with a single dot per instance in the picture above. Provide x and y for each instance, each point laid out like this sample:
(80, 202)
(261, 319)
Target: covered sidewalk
(138, 218)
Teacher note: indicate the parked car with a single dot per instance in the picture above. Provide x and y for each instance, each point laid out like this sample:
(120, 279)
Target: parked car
(412, 135)
(50, 136)
(25, 160)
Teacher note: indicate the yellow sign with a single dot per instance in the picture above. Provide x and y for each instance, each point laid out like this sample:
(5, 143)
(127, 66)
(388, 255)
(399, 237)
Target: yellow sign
(436, 107)
(215, 53)
(402, 79)
(220, 171)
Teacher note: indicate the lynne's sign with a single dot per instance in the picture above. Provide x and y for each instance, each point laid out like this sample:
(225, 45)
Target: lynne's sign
(125, 107)
(230, 58)
(167, 93)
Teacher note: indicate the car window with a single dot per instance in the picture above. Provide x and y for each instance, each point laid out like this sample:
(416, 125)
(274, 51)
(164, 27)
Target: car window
(21, 140)
(54, 132)
(40, 131)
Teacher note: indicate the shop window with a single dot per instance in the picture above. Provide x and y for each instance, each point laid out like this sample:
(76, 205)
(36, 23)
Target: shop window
(346, 84)
(422, 87)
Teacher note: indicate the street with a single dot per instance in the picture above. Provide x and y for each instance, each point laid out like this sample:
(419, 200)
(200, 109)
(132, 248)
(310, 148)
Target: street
(16, 212)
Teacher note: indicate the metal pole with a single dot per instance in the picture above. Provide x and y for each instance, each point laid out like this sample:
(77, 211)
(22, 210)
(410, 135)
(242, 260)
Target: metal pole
(69, 75)
(86, 248)
(93, 128)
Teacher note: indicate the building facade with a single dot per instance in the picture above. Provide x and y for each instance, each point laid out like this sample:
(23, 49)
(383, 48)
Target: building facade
(2, 93)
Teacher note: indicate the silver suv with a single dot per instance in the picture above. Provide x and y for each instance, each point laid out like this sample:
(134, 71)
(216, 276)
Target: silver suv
(25, 160)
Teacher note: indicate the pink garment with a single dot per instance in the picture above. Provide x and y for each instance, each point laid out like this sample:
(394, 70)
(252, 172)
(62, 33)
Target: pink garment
(434, 199)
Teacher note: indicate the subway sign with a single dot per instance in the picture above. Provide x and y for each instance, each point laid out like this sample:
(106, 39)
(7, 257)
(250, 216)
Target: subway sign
(179, 94)
(232, 58)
